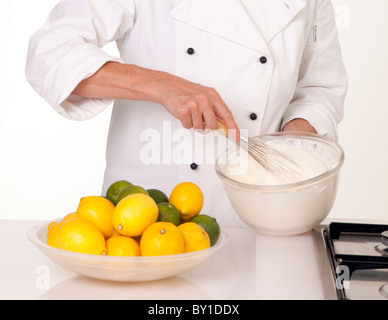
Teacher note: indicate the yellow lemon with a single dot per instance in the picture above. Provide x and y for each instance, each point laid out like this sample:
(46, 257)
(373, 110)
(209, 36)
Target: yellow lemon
(134, 214)
(81, 236)
(52, 234)
(194, 236)
(187, 197)
(65, 218)
(98, 211)
(122, 246)
(161, 238)
(69, 216)
(210, 225)
(51, 225)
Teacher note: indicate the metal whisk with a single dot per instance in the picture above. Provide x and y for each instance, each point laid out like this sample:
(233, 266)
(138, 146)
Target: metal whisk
(269, 158)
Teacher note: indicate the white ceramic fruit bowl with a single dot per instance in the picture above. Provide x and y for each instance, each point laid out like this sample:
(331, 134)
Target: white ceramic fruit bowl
(122, 269)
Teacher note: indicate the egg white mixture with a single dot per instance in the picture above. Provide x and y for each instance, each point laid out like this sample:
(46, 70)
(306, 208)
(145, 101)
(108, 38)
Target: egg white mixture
(243, 168)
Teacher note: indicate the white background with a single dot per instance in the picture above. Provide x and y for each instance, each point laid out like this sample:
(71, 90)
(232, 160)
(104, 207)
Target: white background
(47, 162)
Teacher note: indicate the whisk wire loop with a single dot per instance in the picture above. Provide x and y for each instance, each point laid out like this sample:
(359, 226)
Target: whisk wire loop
(273, 161)
(270, 159)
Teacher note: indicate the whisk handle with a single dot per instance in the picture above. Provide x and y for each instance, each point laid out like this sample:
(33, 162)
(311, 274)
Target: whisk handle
(221, 127)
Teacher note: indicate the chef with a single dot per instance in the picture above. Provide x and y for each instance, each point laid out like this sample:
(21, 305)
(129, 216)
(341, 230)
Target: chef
(261, 66)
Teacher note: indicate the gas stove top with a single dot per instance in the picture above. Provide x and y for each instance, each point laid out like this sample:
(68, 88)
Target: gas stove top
(353, 260)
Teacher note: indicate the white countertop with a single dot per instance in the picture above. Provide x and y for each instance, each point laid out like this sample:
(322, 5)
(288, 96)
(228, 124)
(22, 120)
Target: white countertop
(250, 266)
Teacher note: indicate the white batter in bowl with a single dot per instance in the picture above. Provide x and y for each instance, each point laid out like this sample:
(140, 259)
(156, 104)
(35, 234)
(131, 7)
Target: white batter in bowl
(271, 207)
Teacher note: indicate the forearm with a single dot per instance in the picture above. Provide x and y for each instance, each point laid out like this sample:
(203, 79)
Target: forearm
(120, 81)
(195, 105)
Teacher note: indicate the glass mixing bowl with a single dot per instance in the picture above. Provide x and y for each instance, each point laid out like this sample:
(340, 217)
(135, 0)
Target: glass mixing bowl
(287, 209)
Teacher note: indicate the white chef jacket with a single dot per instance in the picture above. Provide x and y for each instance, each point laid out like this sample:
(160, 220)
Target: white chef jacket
(271, 61)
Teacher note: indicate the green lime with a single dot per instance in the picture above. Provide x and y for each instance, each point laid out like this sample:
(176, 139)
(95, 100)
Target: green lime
(114, 190)
(210, 225)
(131, 189)
(157, 195)
(168, 213)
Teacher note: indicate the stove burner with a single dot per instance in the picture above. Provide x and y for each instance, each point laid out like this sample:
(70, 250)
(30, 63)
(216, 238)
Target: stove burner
(383, 247)
(356, 247)
(383, 290)
(384, 238)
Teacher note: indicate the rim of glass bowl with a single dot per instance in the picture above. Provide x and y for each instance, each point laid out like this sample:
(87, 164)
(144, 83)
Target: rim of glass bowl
(34, 238)
(304, 183)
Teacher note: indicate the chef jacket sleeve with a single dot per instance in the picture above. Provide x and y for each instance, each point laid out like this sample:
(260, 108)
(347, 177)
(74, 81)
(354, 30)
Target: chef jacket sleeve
(322, 83)
(67, 49)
